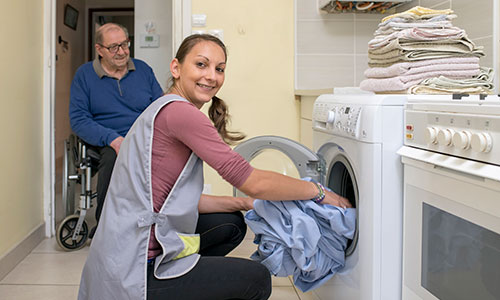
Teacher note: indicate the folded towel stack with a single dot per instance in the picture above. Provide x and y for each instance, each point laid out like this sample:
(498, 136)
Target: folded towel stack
(416, 45)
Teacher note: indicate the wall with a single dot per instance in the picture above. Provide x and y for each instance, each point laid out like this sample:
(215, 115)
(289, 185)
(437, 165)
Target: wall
(21, 92)
(331, 49)
(259, 74)
(160, 13)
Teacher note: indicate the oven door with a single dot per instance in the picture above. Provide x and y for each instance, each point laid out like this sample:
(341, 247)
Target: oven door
(451, 244)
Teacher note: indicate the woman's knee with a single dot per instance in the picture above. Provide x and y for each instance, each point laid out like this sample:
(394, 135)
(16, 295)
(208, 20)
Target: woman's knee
(262, 281)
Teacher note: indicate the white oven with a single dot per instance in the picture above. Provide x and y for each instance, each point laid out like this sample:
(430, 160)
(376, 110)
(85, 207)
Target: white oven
(451, 159)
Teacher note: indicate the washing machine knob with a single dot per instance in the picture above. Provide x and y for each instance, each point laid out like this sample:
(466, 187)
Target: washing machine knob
(331, 117)
(444, 136)
(430, 135)
(461, 139)
(481, 142)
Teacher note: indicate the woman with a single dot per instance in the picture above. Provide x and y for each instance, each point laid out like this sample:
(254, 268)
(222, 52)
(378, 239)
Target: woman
(147, 246)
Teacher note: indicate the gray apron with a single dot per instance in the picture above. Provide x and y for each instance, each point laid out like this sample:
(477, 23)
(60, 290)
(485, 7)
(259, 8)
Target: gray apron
(116, 267)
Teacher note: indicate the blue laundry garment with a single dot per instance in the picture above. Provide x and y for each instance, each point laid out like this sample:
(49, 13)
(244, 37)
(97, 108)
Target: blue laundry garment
(301, 238)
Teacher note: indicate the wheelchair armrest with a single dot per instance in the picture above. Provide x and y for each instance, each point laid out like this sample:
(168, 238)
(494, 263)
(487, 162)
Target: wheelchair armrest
(93, 154)
(91, 151)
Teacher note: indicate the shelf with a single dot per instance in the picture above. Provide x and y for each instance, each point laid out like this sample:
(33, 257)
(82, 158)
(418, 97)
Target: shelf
(343, 6)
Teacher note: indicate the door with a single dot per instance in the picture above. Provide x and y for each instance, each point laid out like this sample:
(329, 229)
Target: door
(305, 163)
(451, 246)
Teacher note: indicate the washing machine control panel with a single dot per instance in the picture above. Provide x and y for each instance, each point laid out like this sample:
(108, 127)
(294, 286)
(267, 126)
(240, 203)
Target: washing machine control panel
(342, 119)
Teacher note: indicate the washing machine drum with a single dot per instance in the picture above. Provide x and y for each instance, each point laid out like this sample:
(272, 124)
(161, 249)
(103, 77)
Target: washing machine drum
(341, 180)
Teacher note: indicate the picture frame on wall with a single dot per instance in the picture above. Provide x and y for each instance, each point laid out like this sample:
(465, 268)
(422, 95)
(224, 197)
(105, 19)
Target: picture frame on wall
(70, 16)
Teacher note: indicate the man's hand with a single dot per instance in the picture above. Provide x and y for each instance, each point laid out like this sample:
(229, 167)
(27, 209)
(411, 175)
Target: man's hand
(116, 143)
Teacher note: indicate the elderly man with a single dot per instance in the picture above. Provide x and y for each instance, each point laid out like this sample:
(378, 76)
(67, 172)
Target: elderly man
(107, 95)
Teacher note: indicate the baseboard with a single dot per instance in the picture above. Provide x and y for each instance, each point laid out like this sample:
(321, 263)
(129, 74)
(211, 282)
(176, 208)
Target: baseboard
(10, 260)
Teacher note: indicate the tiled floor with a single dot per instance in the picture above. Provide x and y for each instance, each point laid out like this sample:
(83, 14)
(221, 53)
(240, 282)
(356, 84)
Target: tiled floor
(49, 273)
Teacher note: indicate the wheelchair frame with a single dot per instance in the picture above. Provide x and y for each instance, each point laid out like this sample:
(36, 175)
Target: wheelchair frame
(72, 232)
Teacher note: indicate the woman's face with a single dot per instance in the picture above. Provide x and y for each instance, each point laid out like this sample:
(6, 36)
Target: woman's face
(200, 76)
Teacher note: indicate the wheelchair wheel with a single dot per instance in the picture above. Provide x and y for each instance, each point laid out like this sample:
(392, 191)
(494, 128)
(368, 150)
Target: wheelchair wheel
(69, 168)
(66, 230)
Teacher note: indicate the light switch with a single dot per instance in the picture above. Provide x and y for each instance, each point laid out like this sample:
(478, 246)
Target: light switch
(199, 20)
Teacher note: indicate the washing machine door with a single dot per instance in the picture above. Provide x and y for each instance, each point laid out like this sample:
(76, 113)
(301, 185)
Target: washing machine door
(281, 155)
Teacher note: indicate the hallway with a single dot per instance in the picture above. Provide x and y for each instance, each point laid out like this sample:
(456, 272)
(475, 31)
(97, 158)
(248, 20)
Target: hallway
(49, 273)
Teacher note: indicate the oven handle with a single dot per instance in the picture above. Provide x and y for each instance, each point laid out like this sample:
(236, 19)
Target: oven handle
(451, 164)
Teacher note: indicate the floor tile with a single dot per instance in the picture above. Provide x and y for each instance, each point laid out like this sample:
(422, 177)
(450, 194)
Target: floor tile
(48, 269)
(281, 281)
(306, 296)
(284, 293)
(38, 292)
(249, 235)
(245, 249)
(51, 246)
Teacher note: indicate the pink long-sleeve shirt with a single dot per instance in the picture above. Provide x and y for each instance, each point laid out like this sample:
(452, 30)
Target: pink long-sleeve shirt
(179, 129)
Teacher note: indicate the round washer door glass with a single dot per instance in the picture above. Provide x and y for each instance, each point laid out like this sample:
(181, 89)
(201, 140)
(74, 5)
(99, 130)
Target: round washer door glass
(341, 180)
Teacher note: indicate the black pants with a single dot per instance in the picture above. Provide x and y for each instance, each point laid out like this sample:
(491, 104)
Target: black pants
(216, 277)
(105, 168)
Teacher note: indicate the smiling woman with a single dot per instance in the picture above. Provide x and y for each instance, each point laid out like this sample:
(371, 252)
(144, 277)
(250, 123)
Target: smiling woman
(202, 59)
(172, 239)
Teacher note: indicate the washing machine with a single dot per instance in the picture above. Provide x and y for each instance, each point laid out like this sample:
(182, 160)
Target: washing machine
(355, 139)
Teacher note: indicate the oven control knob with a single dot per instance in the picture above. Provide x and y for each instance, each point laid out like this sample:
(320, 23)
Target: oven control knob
(431, 135)
(444, 136)
(461, 139)
(331, 117)
(481, 142)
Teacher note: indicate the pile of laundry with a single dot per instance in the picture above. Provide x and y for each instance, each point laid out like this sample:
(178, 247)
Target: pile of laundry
(301, 238)
(420, 51)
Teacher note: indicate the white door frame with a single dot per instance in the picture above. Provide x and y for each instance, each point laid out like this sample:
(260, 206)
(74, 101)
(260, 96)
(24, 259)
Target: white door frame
(182, 27)
(49, 55)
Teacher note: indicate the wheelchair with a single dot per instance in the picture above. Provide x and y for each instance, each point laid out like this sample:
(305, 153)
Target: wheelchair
(79, 166)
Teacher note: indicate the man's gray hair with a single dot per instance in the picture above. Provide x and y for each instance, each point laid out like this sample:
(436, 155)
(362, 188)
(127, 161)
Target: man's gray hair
(99, 33)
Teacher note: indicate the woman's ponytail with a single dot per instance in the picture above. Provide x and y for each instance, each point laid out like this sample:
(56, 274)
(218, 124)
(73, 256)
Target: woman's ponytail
(219, 115)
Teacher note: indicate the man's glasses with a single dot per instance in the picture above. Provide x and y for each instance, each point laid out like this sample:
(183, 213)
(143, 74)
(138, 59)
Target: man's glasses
(114, 48)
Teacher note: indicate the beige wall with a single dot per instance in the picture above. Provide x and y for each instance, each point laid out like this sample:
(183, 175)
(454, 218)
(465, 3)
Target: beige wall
(259, 87)
(21, 177)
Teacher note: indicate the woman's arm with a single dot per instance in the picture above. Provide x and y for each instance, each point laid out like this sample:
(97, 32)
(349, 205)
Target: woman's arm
(212, 204)
(269, 185)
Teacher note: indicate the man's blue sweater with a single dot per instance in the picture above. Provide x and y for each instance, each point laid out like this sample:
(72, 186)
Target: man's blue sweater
(103, 108)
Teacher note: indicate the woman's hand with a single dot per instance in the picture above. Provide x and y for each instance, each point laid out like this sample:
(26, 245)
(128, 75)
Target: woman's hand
(247, 202)
(336, 200)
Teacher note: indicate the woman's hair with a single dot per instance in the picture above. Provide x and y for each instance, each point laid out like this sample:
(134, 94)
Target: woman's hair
(218, 111)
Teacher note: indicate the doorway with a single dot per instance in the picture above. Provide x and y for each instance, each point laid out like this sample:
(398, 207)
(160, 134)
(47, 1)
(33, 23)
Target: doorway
(71, 51)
